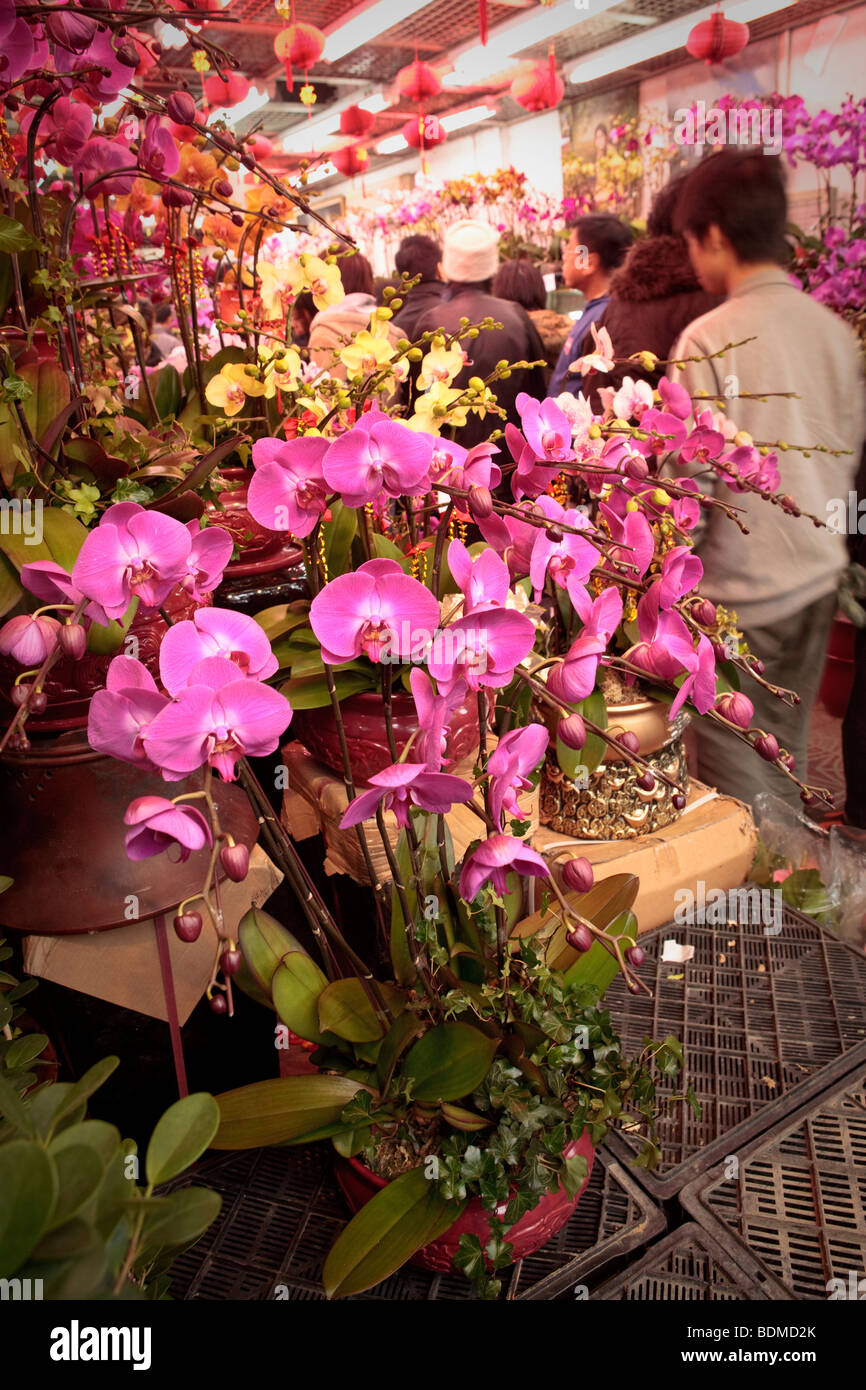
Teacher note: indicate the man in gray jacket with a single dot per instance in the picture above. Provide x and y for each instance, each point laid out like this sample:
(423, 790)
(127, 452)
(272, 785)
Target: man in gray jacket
(782, 578)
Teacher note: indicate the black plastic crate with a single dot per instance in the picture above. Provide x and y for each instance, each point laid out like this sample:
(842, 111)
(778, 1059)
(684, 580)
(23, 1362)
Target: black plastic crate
(796, 1201)
(282, 1211)
(689, 1266)
(767, 1023)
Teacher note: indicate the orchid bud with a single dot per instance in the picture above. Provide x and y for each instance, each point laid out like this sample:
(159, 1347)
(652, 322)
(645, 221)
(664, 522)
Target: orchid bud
(629, 741)
(73, 640)
(235, 860)
(789, 761)
(181, 108)
(127, 53)
(767, 745)
(637, 467)
(71, 31)
(230, 961)
(21, 694)
(480, 502)
(572, 731)
(678, 801)
(704, 612)
(578, 875)
(635, 955)
(646, 782)
(736, 708)
(188, 925)
(554, 534)
(219, 1003)
(38, 702)
(579, 938)
(757, 665)
(223, 188)
(176, 197)
(238, 219)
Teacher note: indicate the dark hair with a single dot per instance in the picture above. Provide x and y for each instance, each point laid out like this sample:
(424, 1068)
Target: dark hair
(660, 218)
(356, 274)
(606, 236)
(742, 192)
(303, 306)
(419, 255)
(163, 313)
(521, 282)
(145, 308)
(381, 284)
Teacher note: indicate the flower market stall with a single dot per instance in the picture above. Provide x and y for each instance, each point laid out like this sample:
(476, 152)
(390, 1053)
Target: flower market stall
(385, 938)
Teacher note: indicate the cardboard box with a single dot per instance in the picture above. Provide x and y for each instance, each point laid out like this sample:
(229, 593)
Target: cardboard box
(122, 966)
(713, 840)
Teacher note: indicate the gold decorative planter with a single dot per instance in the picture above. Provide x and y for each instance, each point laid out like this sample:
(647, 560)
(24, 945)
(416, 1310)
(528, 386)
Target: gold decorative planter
(609, 804)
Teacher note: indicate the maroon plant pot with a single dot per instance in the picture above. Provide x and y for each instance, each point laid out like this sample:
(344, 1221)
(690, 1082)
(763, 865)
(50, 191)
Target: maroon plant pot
(838, 677)
(534, 1229)
(70, 684)
(261, 551)
(366, 736)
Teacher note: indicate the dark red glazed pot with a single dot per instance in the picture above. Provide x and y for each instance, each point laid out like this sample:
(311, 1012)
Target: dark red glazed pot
(366, 736)
(534, 1229)
(70, 684)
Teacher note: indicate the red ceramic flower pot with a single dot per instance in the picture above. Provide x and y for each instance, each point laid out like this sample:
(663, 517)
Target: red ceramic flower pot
(838, 677)
(534, 1229)
(366, 735)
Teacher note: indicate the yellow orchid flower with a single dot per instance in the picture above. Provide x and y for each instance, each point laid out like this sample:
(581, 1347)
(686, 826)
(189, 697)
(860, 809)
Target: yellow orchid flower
(230, 387)
(282, 370)
(271, 287)
(321, 279)
(441, 364)
(435, 408)
(366, 354)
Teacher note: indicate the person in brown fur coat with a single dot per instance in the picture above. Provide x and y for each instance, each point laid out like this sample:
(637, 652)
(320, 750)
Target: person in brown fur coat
(654, 296)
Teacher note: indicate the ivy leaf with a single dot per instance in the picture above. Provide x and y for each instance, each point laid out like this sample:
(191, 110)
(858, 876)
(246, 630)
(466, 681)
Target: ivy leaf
(14, 237)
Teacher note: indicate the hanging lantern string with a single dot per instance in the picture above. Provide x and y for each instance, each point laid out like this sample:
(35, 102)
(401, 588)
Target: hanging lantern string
(482, 20)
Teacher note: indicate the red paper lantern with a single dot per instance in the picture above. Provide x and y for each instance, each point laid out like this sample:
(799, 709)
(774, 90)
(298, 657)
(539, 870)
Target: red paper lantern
(424, 132)
(717, 38)
(228, 93)
(356, 122)
(417, 82)
(539, 87)
(351, 161)
(299, 46)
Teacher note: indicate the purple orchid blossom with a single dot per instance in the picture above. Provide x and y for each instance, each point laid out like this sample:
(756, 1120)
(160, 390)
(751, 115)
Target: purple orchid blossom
(482, 648)
(483, 579)
(158, 823)
(491, 861)
(546, 428)
(530, 478)
(516, 755)
(675, 399)
(699, 685)
(216, 722)
(453, 466)
(158, 154)
(569, 562)
(209, 553)
(385, 456)
(681, 572)
(132, 553)
(121, 714)
(403, 785)
(378, 611)
(28, 639)
(214, 632)
(434, 712)
(288, 491)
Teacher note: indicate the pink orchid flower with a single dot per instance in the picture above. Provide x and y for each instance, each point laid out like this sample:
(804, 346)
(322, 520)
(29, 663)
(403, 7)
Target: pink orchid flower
(484, 579)
(27, 639)
(574, 678)
(699, 685)
(288, 491)
(121, 714)
(378, 611)
(132, 552)
(453, 466)
(491, 861)
(675, 399)
(158, 154)
(217, 721)
(385, 457)
(686, 511)
(101, 157)
(600, 616)
(601, 359)
(748, 465)
(546, 428)
(214, 632)
(481, 648)
(633, 544)
(569, 562)
(210, 551)
(632, 399)
(702, 446)
(666, 647)
(530, 478)
(666, 432)
(715, 420)
(403, 785)
(578, 412)
(158, 823)
(516, 755)
(681, 572)
(434, 712)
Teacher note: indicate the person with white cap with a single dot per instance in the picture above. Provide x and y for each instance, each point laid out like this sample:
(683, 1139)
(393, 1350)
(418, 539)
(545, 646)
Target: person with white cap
(470, 259)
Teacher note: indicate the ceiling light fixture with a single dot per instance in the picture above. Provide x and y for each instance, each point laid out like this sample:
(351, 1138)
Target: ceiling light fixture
(362, 25)
(169, 36)
(392, 145)
(668, 37)
(471, 116)
(507, 40)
